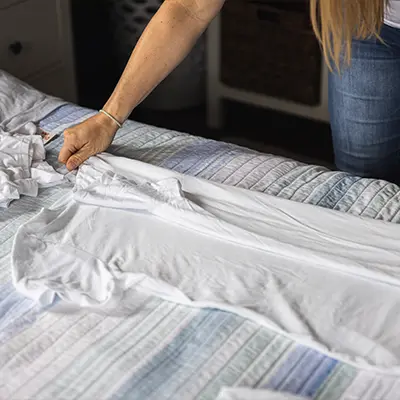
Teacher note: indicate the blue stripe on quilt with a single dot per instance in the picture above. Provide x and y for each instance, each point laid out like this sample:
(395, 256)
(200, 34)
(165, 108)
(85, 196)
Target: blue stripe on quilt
(302, 373)
(185, 354)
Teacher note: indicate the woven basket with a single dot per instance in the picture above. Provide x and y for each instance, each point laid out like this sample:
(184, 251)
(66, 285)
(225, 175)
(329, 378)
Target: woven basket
(268, 47)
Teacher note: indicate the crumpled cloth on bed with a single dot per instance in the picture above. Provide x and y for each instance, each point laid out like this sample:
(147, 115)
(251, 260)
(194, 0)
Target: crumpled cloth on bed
(23, 168)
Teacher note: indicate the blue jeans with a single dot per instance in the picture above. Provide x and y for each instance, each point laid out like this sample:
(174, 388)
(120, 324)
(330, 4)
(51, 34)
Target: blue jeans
(364, 105)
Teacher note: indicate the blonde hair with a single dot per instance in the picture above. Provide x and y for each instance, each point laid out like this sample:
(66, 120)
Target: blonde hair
(337, 22)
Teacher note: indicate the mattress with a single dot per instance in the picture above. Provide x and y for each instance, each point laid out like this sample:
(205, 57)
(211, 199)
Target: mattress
(167, 351)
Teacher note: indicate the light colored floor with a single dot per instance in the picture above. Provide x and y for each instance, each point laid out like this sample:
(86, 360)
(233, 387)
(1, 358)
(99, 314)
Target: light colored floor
(263, 148)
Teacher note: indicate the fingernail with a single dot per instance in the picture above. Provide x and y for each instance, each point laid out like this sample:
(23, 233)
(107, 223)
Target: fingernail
(72, 166)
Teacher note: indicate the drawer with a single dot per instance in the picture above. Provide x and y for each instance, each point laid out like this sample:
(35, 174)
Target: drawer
(29, 39)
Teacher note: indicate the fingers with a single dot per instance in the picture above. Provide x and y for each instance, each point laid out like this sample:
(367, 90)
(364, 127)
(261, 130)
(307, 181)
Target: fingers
(72, 154)
(68, 147)
(78, 158)
(65, 153)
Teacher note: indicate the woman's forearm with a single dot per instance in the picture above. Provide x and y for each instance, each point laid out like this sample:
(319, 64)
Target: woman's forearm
(166, 41)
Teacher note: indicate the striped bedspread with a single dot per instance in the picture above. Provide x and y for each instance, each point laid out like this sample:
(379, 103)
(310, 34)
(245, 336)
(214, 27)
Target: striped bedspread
(163, 350)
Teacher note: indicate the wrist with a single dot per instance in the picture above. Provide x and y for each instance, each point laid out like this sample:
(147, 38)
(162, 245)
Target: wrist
(118, 105)
(107, 123)
(111, 117)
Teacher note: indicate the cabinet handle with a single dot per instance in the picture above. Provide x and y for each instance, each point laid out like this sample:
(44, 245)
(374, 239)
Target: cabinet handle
(15, 48)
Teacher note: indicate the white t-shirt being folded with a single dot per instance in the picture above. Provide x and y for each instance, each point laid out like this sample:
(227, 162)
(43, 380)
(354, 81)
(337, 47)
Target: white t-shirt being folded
(130, 230)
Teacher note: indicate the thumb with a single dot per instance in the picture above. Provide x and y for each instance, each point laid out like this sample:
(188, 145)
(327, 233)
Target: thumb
(78, 158)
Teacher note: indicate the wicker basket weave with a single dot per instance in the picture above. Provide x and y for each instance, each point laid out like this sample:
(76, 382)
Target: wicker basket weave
(268, 47)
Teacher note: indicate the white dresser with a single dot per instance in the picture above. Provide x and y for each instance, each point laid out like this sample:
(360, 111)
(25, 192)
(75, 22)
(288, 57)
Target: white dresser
(36, 45)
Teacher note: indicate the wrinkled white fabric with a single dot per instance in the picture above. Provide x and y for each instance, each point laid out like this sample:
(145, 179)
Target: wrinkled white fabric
(326, 279)
(22, 154)
(254, 394)
(23, 168)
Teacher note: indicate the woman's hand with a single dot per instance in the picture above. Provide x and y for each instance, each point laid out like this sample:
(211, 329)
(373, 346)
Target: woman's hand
(87, 139)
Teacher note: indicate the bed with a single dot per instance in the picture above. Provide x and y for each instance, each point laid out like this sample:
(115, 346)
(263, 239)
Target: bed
(167, 351)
